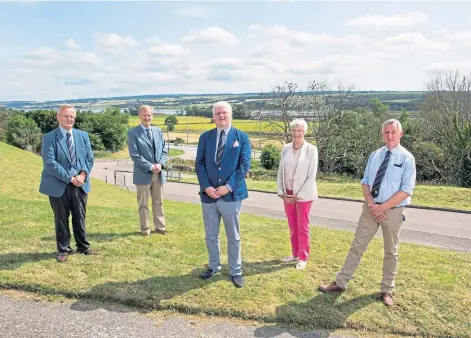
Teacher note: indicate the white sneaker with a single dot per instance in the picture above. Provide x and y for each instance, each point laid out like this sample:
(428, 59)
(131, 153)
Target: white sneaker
(290, 259)
(301, 265)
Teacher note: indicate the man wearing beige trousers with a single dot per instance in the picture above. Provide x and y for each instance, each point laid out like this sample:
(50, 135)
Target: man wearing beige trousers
(147, 150)
(387, 184)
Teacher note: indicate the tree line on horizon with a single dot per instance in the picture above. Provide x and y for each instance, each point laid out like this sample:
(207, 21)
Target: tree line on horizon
(438, 134)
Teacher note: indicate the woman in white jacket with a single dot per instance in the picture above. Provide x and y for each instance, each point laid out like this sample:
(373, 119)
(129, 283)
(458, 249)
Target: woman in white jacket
(297, 187)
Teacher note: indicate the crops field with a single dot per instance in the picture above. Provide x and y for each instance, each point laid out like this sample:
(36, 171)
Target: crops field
(200, 124)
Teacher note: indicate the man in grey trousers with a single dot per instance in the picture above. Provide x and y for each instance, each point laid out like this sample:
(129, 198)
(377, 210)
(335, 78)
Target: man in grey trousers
(222, 160)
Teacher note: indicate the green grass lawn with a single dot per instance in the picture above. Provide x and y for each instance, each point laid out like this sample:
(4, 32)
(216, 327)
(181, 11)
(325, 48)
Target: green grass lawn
(161, 272)
(424, 195)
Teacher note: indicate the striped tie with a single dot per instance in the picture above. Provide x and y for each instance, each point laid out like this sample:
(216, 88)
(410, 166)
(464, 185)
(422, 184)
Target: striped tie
(380, 175)
(71, 147)
(220, 150)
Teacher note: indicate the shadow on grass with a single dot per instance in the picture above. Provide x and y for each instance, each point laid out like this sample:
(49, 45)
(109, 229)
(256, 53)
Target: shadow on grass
(100, 237)
(323, 313)
(13, 261)
(148, 294)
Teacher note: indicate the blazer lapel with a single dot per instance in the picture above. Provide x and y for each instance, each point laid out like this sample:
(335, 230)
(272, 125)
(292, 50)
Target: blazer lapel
(229, 142)
(143, 135)
(302, 157)
(61, 140)
(212, 143)
(77, 142)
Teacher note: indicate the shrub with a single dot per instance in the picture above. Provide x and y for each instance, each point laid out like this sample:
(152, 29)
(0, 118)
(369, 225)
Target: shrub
(270, 157)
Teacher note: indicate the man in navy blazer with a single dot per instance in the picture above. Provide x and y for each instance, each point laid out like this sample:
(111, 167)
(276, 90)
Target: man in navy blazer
(222, 161)
(68, 159)
(147, 150)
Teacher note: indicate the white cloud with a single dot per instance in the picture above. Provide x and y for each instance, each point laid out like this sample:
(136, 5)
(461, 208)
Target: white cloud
(212, 34)
(72, 44)
(83, 58)
(225, 63)
(407, 19)
(412, 42)
(301, 38)
(167, 50)
(276, 46)
(439, 68)
(463, 36)
(193, 11)
(114, 43)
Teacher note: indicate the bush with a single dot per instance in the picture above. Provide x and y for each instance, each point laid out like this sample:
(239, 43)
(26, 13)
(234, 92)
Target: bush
(171, 119)
(270, 157)
(23, 133)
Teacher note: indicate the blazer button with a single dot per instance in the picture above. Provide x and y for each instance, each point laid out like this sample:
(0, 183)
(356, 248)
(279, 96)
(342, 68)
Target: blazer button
(219, 168)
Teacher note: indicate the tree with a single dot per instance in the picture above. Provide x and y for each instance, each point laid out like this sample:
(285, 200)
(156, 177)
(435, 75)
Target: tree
(240, 112)
(45, 119)
(170, 126)
(4, 114)
(286, 100)
(270, 157)
(379, 109)
(23, 133)
(171, 119)
(447, 114)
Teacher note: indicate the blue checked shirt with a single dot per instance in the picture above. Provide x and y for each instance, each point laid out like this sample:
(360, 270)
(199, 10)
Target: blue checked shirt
(400, 174)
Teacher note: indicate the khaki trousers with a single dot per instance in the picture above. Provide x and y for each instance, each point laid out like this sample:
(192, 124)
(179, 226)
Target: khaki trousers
(366, 229)
(155, 191)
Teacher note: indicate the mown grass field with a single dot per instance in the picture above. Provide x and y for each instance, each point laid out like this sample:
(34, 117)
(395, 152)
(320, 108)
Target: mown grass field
(424, 195)
(161, 272)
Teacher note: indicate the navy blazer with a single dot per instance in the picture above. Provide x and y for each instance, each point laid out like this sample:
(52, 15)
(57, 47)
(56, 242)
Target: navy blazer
(58, 170)
(235, 164)
(142, 153)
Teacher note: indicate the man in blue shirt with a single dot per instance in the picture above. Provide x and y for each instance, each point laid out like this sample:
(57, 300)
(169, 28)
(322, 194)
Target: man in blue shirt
(387, 184)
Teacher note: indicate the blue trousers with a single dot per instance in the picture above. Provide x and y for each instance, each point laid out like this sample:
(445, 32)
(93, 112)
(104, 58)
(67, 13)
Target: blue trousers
(230, 213)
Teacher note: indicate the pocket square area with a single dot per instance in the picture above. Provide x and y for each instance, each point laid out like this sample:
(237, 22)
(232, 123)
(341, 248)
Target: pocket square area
(236, 144)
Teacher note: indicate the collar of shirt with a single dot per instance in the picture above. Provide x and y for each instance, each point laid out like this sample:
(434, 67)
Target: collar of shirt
(64, 133)
(226, 130)
(394, 151)
(146, 128)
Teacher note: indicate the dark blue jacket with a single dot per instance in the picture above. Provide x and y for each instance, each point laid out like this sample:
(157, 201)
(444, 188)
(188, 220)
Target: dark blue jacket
(235, 163)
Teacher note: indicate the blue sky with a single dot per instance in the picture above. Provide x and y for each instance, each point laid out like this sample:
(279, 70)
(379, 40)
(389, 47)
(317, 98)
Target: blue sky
(65, 50)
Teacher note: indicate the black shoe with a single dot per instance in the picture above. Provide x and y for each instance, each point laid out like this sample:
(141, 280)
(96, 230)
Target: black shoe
(208, 274)
(87, 252)
(238, 281)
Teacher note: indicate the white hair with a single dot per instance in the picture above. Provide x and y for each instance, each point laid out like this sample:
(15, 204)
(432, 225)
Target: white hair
(64, 106)
(392, 121)
(146, 107)
(222, 104)
(298, 122)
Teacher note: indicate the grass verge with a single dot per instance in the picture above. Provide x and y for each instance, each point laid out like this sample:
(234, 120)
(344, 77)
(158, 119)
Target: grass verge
(424, 195)
(161, 272)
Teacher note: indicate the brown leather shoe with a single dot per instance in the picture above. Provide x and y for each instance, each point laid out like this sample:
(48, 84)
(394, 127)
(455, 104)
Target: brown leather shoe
(332, 287)
(387, 298)
(62, 257)
(161, 231)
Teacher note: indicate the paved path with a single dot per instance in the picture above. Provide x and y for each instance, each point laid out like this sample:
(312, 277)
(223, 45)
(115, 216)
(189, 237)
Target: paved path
(451, 230)
(39, 319)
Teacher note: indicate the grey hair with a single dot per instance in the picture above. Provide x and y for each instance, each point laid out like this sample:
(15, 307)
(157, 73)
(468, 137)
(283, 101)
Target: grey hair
(64, 106)
(223, 104)
(146, 107)
(298, 122)
(392, 121)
